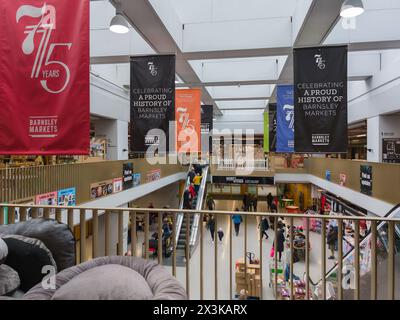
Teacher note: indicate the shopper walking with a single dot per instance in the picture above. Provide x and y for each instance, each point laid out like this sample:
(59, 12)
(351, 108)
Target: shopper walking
(210, 203)
(220, 234)
(280, 241)
(246, 201)
(192, 191)
(211, 227)
(264, 226)
(254, 202)
(269, 201)
(197, 181)
(187, 199)
(191, 174)
(237, 220)
(331, 239)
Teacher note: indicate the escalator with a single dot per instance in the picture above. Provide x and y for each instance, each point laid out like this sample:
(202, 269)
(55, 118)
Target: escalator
(181, 223)
(365, 264)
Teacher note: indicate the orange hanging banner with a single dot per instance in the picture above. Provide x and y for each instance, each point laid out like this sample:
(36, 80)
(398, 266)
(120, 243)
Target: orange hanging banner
(188, 120)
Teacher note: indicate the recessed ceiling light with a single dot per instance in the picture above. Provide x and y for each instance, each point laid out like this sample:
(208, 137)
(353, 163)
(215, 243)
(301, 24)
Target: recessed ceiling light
(119, 24)
(351, 8)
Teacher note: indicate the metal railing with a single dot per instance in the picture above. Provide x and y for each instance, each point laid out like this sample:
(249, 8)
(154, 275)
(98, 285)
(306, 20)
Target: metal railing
(281, 289)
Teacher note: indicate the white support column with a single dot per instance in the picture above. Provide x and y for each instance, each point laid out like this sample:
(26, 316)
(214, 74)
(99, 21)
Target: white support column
(374, 139)
(116, 131)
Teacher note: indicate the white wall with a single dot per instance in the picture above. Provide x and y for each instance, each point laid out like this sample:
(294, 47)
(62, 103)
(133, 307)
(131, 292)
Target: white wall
(377, 95)
(378, 128)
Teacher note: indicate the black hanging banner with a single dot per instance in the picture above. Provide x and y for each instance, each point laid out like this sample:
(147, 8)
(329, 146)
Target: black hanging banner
(152, 102)
(207, 113)
(320, 99)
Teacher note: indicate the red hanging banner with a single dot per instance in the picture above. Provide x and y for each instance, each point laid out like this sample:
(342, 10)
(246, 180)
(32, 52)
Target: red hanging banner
(44, 77)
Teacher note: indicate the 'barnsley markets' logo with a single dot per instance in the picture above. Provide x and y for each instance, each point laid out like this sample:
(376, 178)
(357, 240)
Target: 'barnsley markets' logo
(44, 66)
(153, 69)
(320, 61)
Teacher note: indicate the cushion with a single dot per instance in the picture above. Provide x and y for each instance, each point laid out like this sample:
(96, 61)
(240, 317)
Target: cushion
(28, 256)
(162, 284)
(9, 280)
(57, 237)
(3, 251)
(108, 282)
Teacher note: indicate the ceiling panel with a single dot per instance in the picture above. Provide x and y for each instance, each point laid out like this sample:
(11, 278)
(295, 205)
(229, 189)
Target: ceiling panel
(373, 25)
(195, 11)
(242, 104)
(240, 69)
(244, 91)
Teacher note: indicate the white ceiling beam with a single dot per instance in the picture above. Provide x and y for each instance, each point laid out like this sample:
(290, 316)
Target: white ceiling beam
(145, 20)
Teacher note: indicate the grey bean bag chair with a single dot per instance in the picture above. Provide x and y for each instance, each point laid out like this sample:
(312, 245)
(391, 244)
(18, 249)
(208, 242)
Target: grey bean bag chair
(112, 278)
(56, 236)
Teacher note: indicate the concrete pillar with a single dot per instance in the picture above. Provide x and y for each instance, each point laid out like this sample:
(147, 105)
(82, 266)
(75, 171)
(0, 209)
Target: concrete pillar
(374, 144)
(116, 131)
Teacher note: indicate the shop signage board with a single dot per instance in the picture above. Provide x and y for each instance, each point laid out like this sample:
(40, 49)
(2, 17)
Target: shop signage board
(272, 127)
(44, 63)
(207, 114)
(320, 99)
(67, 197)
(242, 180)
(285, 119)
(117, 185)
(136, 179)
(101, 189)
(47, 199)
(391, 150)
(127, 175)
(152, 101)
(153, 175)
(366, 179)
(188, 120)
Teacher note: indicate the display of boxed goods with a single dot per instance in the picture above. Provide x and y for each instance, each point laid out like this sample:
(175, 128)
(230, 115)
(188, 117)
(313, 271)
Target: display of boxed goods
(247, 277)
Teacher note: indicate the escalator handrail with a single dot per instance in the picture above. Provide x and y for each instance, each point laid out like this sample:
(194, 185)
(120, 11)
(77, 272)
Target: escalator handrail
(199, 206)
(179, 217)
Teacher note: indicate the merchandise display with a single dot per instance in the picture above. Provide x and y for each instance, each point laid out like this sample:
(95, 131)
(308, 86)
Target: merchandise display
(248, 278)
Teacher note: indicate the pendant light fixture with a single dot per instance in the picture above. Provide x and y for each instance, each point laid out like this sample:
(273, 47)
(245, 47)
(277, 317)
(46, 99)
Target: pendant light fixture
(118, 23)
(351, 8)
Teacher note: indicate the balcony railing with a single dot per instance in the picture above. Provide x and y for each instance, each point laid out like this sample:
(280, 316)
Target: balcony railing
(326, 288)
(26, 182)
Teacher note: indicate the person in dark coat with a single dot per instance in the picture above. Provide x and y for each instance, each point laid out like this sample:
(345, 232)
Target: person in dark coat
(264, 226)
(331, 239)
(254, 201)
(210, 203)
(191, 174)
(211, 227)
(246, 202)
(280, 246)
(187, 200)
(269, 201)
